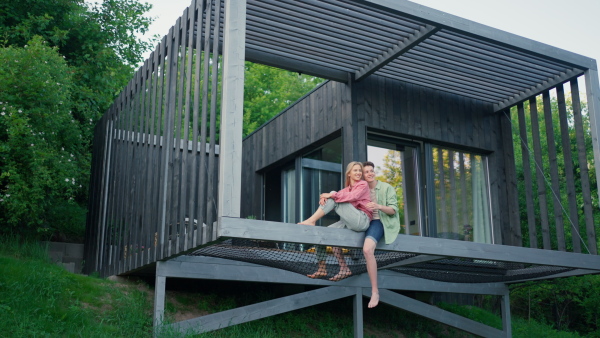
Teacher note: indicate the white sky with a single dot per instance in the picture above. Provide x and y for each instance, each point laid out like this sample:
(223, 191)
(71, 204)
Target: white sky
(573, 25)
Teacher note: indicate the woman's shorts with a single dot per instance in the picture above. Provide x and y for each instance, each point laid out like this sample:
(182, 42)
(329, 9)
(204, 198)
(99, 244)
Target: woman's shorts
(375, 230)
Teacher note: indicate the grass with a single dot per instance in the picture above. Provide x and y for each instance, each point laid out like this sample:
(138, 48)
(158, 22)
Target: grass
(40, 299)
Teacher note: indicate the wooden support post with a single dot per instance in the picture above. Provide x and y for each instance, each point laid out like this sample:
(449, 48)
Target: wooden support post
(159, 297)
(592, 89)
(358, 313)
(232, 113)
(505, 309)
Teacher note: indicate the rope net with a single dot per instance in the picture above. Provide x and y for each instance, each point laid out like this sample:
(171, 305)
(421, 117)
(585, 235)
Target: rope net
(302, 259)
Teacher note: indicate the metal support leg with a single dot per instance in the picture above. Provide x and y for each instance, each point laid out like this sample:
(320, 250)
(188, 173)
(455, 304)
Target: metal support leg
(159, 297)
(505, 308)
(358, 314)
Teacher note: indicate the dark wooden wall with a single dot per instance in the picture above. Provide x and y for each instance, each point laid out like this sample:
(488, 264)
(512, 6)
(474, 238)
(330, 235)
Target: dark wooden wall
(309, 120)
(402, 109)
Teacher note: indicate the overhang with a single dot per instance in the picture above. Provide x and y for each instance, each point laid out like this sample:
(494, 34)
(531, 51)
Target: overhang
(350, 39)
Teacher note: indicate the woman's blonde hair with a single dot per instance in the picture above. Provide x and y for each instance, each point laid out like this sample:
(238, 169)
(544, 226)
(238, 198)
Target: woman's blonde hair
(349, 168)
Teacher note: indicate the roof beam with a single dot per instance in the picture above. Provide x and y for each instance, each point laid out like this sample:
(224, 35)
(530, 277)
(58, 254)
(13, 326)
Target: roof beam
(537, 89)
(290, 64)
(395, 51)
(455, 23)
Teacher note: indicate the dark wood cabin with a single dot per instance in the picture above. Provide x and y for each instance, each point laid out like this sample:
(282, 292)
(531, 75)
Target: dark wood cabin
(471, 118)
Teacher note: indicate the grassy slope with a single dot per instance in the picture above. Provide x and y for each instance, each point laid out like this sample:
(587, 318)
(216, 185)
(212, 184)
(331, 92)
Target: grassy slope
(38, 298)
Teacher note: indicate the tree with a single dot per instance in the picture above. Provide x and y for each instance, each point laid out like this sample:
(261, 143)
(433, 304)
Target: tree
(43, 188)
(268, 91)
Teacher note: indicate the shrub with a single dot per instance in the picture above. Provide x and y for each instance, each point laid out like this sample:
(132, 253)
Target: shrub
(41, 151)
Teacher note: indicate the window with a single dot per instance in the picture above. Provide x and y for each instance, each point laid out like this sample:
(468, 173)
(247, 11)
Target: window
(292, 191)
(461, 201)
(457, 204)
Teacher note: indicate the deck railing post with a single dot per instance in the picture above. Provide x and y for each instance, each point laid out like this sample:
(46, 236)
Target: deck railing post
(232, 104)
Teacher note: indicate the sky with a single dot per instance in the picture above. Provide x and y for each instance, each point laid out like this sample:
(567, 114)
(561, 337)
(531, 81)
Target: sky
(573, 25)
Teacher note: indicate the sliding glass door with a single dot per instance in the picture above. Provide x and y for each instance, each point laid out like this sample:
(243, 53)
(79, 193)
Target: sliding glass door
(397, 163)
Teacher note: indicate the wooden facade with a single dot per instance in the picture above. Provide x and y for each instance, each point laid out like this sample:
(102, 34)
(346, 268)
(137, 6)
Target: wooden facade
(172, 178)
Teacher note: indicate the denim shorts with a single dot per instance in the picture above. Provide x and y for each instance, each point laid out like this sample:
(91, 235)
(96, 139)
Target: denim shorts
(375, 230)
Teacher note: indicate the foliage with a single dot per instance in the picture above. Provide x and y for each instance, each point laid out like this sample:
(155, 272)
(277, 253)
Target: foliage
(268, 91)
(567, 304)
(41, 154)
(543, 168)
(391, 173)
(62, 65)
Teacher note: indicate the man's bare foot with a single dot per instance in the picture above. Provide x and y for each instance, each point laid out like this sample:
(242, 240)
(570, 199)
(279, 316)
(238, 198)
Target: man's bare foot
(320, 273)
(307, 222)
(374, 300)
(344, 273)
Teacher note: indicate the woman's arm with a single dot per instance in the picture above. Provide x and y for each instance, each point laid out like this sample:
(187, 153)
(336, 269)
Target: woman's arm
(346, 195)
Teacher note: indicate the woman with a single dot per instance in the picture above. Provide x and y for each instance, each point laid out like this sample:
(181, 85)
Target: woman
(350, 204)
(385, 221)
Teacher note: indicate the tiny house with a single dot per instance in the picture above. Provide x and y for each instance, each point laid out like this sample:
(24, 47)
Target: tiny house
(470, 124)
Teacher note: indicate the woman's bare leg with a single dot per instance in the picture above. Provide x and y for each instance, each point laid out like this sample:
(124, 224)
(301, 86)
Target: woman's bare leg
(344, 269)
(369, 252)
(312, 220)
(321, 271)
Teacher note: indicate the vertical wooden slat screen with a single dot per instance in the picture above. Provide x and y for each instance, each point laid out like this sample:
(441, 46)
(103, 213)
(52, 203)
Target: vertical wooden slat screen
(558, 187)
(155, 161)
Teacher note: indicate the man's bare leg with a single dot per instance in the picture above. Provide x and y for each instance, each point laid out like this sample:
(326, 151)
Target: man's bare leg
(369, 252)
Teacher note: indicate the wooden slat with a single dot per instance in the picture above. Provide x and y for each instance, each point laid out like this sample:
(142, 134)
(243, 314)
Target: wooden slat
(512, 194)
(204, 172)
(211, 212)
(556, 202)
(527, 180)
(583, 169)
(539, 170)
(573, 220)
(167, 145)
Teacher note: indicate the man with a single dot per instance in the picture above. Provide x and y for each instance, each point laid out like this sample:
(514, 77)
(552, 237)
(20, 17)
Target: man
(385, 222)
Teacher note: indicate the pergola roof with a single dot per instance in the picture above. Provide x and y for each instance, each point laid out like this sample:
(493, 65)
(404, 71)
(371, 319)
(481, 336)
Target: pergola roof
(398, 39)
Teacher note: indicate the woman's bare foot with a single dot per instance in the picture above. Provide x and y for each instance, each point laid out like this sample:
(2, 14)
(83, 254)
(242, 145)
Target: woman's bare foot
(307, 222)
(374, 300)
(344, 273)
(318, 274)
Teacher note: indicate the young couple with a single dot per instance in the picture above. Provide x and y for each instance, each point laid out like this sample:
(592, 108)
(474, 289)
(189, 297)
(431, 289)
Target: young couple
(365, 204)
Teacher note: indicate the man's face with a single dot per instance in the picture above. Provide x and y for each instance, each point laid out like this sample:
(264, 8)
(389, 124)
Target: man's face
(368, 174)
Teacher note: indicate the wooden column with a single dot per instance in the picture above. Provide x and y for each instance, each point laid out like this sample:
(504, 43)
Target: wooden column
(505, 309)
(592, 89)
(232, 113)
(159, 295)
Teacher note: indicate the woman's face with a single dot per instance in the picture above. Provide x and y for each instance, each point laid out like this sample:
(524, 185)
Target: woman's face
(355, 173)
